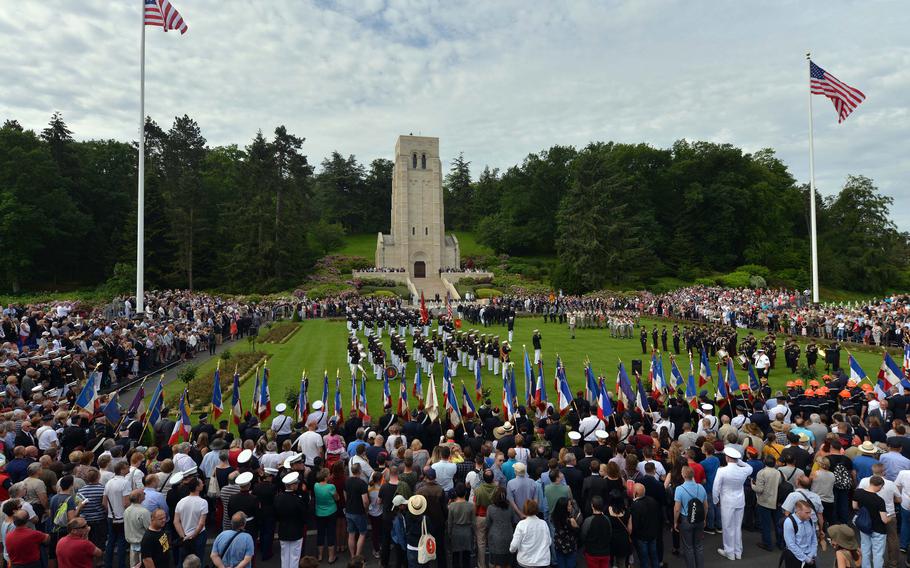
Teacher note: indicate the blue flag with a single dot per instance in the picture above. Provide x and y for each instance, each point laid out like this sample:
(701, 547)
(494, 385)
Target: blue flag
(112, 410)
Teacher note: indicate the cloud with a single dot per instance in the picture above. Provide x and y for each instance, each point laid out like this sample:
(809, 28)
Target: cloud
(496, 80)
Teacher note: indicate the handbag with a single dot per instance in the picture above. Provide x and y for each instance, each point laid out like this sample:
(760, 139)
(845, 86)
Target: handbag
(426, 546)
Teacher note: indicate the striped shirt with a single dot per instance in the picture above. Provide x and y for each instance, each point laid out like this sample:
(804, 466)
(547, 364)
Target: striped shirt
(93, 511)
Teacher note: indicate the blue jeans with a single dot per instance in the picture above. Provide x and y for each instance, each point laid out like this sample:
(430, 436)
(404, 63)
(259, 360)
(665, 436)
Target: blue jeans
(647, 553)
(873, 547)
(566, 560)
(712, 515)
(905, 527)
(768, 519)
(412, 559)
(116, 544)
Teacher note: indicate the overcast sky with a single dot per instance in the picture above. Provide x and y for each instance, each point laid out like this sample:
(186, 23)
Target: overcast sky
(495, 80)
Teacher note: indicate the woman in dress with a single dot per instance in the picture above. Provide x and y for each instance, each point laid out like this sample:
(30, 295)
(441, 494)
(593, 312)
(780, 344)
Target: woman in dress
(499, 530)
(460, 528)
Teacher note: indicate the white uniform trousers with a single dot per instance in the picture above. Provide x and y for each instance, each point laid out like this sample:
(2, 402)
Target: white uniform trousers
(732, 522)
(536, 356)
(290, 553)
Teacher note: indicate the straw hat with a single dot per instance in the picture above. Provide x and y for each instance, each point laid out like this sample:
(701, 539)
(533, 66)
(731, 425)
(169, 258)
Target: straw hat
(417, 504)
(868, 448)
(843, 536)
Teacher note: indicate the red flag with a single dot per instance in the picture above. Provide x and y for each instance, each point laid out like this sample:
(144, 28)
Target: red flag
(424, 314)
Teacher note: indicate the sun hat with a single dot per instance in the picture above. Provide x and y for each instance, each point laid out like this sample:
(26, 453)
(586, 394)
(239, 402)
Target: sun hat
(417, 504)
(868, 448)
(399, 500)
(843, 536)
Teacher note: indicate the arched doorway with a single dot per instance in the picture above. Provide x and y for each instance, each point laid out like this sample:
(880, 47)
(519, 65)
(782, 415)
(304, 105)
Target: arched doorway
(420, 269)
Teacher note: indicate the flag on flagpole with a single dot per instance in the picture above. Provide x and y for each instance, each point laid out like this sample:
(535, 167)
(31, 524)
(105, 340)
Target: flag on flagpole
(112, 410)
(731, 377)
(339, 410)
(424, 314)
(907, 358)
(627, 397)
(303, 402)
(217, 404)
(704, 369)
(354, 406)
(418, 386)
(659, 373)
(452, 409)
(137, 406)
(88, 397)
(403, 408)
(431, 406)
(691, 392)
(183, 428)
(656, 373)
(265, 398)
(642, 398)
(891, 374)
(155, 405)
(254, 407)
(540, 389)
(478, 380)
(449, 308)
(563, 391)
(468, 409)
(162, 13)
(677, 375)
(386, 392)
(844, 97)
(364, 410)
(604, 407)
(529, 373)
(592, 391)
(722, 393)
(754, 385)
(236, 404)
(325, 387)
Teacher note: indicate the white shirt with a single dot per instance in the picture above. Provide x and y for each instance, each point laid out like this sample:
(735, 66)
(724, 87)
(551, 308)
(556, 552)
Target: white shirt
(310, 443)
(728, 484)
(888, 492)
(47, 438)
(588, 426)
(281, 424)
(115, 490)
(658, 468)
(190, 509)
(712, 424)
(321, 418)
(271, 459)
(183, 462)
(902, 482)
(531, 540)
(762, 361)
(781, 409)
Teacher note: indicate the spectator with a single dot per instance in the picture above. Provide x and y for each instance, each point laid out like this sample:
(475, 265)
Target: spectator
(75, 550)
(531, 538)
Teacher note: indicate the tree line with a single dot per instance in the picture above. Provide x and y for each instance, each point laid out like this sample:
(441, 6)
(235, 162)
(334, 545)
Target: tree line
(256, 218)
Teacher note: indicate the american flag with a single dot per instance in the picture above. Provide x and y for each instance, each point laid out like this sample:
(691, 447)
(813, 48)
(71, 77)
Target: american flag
(162, 13)
(844, 97)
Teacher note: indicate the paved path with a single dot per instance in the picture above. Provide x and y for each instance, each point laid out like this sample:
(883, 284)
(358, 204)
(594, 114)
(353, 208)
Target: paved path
(752, 555)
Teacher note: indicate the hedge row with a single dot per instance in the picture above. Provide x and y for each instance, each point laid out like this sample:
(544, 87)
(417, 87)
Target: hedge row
(279, 332)
(200, 388)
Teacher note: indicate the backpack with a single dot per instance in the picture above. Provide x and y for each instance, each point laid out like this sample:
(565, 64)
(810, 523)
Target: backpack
(784, 488)
(695, 509)
(863, 521)
(842, 478)
(60, 517)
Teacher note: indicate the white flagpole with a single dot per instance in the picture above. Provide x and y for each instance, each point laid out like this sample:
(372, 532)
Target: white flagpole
(814, 236)
(140, 200)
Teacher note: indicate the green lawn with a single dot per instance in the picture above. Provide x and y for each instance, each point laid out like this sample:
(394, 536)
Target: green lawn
(320, 346)
(359, 245)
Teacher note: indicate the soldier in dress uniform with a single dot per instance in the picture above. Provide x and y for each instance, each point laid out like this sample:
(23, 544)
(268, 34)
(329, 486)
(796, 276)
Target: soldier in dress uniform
(663, 337)
(535, 341)
(676, 338)
(811, 354)
(643, 338)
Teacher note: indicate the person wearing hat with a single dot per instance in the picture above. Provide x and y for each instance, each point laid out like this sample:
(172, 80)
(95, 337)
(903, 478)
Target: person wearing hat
(281, 424)
(505, 438)
(862, 464)
(727, 492)
(535, 341)
(265, 491)
(291, 508)
(245, 502)
(319, 417)
(414, 517)
(846, 549)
